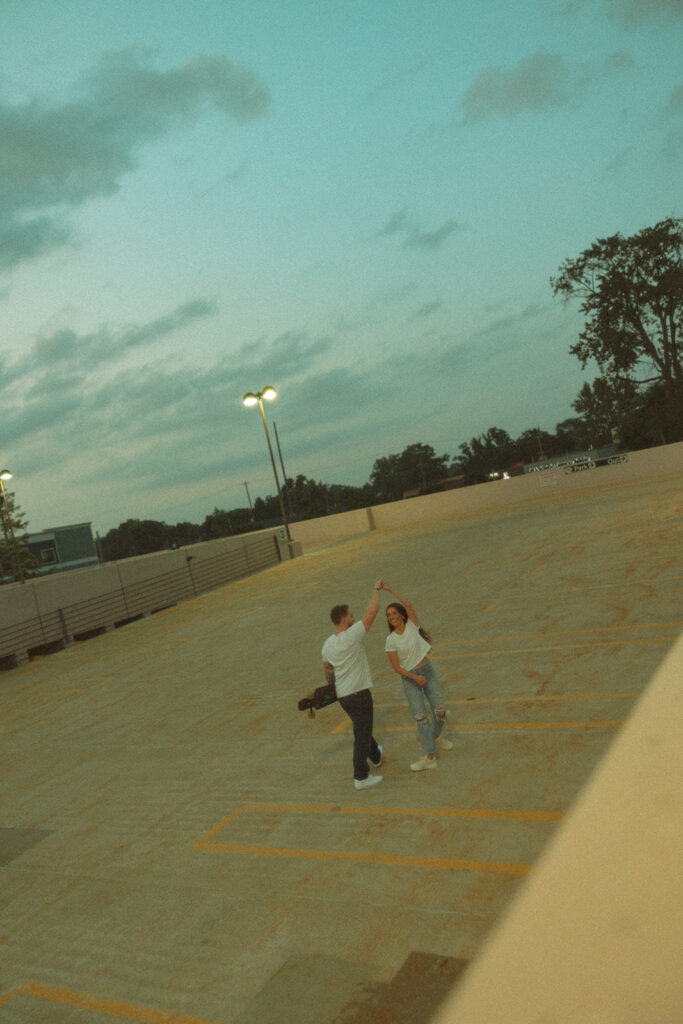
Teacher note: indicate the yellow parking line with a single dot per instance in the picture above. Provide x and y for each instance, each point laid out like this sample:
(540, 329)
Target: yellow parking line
(541, 698)
(99, 1004)
(497, 651)
(546, 697)
(374, 858)
(442, 863)
(563, 632)
(345, 729)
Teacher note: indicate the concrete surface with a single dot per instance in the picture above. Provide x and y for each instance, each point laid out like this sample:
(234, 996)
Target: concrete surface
(182, 845)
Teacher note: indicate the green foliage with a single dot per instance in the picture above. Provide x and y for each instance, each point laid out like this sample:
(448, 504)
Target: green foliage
(491, 452)
(16, 561)
(135, 537)
(417, 467)
(631, 292)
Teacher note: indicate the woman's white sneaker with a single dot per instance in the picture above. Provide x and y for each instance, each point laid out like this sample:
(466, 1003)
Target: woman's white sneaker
(424, 762)
(444, 743)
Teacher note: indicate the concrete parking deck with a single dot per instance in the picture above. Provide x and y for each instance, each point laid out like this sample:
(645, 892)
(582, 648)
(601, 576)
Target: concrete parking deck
(180, 844)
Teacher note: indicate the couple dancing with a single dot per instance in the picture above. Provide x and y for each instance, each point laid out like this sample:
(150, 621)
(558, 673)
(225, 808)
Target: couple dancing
(346, 665)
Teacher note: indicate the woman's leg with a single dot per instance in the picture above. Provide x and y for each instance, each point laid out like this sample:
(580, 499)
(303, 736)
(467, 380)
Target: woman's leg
(416, 702)
(432, 693)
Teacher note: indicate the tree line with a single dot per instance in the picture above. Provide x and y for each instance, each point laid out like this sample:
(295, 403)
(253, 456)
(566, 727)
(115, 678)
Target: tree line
(630, 291)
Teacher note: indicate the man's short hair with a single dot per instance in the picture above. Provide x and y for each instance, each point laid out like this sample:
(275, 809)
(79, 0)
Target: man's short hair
(338, 613)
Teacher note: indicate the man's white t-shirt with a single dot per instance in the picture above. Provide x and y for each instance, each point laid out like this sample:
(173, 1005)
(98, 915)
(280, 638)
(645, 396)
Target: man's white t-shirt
(346, 655)
(410, 646)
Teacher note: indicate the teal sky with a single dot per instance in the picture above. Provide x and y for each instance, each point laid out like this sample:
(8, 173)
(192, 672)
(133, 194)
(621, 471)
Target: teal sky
(359, 202)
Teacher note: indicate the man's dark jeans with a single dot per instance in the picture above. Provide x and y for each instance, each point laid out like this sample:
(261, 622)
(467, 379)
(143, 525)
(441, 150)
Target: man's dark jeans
(359, 708)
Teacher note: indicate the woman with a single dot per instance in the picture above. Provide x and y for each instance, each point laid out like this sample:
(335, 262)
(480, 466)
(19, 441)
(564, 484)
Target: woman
(408, 647)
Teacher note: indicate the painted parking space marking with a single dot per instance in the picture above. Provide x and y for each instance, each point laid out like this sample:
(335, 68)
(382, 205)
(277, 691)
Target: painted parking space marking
(345, 728)
(630, 628)
(579, 645)
(99, 1004)
(208, 842)
(541, 698)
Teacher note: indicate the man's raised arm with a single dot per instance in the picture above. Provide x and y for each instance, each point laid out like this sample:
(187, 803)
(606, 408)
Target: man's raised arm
(373, 606)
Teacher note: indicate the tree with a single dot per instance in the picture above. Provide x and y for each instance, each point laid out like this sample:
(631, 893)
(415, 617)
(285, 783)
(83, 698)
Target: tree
(535, 444)
(183, 534)
(571, 436)
(306, 498)
(135, 537)
(417, 466)
(491, 452)
(224, 524)
(16, 560)
(631, 292)
(605, 409)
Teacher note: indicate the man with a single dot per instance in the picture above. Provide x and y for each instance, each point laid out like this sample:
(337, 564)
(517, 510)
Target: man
(346, 665)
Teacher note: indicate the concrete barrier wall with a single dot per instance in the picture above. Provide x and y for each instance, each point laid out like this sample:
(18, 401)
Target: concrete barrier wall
(53, 610)
(592, 935)
(652, 462)
(314, 532)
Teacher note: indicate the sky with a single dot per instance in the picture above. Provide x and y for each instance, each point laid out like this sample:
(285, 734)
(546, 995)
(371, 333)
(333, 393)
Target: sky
(358, 202)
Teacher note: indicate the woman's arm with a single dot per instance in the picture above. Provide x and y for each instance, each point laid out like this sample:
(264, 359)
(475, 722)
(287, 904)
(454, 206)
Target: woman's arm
(412, 614)
(394, 662)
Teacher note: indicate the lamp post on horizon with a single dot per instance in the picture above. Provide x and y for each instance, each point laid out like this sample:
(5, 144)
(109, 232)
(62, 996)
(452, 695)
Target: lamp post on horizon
(7, 523)
(256, 398)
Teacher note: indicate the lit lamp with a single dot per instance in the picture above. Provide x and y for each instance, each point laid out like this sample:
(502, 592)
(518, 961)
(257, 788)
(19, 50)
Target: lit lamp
(257, 399)
(5, 475)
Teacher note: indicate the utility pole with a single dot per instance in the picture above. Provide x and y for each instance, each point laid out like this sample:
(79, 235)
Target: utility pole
(251, 507)
(284, 474)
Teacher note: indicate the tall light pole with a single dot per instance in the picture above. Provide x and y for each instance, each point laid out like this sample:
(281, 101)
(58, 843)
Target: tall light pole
(7, 523)
(252, 398)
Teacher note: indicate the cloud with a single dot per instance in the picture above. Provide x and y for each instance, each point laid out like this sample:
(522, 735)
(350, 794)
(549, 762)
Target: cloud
(673, 113)
(634, 11)
(146, 416)
(108, 344)
(57, 156)
(629, 12)
(415, 236)
(535, 85)
(427, 310)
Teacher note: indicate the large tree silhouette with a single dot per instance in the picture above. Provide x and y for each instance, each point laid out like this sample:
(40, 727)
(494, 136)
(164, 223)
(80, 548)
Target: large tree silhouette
(631, 292)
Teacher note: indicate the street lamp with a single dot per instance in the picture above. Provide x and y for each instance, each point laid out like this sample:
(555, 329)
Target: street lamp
(250, 398)
(7, 522)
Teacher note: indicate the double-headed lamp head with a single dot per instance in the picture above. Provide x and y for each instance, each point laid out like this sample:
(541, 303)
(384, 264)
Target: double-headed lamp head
(250, 398)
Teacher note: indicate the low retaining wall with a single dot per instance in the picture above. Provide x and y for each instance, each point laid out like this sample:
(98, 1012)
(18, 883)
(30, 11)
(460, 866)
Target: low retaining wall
(45, 614)
(652, 462)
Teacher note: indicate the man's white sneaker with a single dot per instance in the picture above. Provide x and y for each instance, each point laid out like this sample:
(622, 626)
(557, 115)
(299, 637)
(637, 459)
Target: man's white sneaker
(371, 780)
(376, 764)
(444, 743)
(424, 762)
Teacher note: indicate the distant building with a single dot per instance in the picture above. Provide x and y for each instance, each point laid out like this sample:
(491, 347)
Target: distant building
(560, 462)
(64, 547)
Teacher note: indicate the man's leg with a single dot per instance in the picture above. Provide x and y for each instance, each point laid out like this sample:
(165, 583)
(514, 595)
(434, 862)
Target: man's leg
(359, 708)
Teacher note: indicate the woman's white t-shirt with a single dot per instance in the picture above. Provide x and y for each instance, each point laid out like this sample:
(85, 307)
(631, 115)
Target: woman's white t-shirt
(410, 646)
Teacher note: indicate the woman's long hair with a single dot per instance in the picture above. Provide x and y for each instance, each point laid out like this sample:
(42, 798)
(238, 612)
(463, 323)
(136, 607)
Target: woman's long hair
(400, 608)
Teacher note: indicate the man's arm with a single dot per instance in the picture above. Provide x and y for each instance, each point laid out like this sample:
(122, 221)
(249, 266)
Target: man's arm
(373, 606)
(330, 678)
